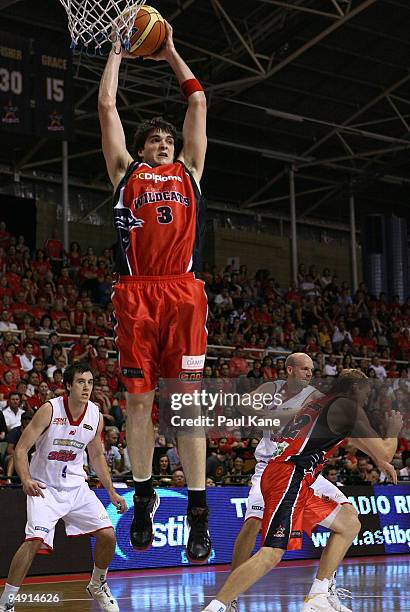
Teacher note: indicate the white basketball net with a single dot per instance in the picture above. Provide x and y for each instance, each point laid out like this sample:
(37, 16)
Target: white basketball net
(99, 21)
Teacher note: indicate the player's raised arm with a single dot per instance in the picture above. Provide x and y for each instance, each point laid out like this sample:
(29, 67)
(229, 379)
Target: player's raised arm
(114, 145)
(194, 129)
(29, 437)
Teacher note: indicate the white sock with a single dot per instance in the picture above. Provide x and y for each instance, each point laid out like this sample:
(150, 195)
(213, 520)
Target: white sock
(215, 606)
(9, 593)
(319, 586)
(99, 575)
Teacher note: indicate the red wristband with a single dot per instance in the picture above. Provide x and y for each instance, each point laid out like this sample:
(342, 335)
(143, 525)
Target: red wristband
(189, 87)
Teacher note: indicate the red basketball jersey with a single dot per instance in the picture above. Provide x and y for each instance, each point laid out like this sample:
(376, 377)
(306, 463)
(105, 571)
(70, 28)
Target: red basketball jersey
(158, 214)
(307, 439)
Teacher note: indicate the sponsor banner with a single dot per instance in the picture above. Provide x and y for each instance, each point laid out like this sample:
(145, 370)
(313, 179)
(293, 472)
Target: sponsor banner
(384, 512)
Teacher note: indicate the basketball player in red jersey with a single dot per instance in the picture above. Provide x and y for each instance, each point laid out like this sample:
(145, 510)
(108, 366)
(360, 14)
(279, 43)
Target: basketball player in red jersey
(160, 307)
(295, 392)
(290, 504)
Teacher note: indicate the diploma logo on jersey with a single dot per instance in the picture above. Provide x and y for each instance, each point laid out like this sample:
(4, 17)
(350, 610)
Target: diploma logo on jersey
(157, 178)
(193, 362)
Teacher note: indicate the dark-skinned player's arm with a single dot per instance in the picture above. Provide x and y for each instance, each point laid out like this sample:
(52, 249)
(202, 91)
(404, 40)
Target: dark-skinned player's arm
(38, 424)
(114, 145)
(194, 129)
(345, 415)
(99, 463)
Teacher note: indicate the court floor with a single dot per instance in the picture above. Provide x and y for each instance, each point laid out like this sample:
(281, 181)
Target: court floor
(378, 584)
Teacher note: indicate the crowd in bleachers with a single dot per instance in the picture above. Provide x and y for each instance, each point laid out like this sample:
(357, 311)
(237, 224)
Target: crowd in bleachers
(55, 308)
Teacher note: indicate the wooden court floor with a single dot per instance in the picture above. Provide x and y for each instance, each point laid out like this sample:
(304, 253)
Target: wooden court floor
(378, 584)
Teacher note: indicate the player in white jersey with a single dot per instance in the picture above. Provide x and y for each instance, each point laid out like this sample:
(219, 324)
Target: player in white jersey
(295, 392)
(56, 488)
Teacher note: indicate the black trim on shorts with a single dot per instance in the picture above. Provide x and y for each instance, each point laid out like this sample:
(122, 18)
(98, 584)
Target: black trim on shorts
(278, 533)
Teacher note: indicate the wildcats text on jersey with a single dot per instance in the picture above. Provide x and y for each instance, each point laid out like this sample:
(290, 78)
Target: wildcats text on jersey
(153, 197)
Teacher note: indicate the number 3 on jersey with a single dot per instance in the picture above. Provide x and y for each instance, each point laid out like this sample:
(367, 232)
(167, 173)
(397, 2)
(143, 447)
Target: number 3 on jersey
(64, 472)
(164, 214)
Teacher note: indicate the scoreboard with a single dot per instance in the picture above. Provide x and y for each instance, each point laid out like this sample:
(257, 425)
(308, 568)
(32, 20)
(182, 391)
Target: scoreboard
(35, 88)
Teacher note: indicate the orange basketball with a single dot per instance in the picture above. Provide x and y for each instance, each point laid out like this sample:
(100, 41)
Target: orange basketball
(148, 33)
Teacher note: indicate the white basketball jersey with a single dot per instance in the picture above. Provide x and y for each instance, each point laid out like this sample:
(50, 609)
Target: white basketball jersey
(58, 458)
(267, 446)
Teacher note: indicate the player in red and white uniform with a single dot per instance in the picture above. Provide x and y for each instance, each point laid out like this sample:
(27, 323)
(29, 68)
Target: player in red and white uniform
(160, 308)
(291, 505)
(56, 488)
(295, 393)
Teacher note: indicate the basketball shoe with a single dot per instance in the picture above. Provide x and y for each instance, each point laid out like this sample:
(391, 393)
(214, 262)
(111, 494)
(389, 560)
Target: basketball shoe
(142, 526)
(318, 603)
(103, 596)
(335, 593)
(199, 547)
(8, 607)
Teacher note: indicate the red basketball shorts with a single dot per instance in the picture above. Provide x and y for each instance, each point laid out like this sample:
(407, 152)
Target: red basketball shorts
(160, 327)
(291, 506)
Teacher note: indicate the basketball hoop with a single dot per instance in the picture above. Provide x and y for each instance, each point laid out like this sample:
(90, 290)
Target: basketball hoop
(95, 22)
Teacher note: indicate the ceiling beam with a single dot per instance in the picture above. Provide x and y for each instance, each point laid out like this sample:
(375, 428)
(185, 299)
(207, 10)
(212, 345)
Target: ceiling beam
(6, 3)
(303, 9)
(298, 52)
(239, 35)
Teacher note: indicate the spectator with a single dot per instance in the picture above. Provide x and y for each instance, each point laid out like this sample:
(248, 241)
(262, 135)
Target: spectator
(404, 473)
(83, 350)
(210, 482)
(373, 477)
(236, 477)
(340, 335)
(6, 323)
(3, 427)
(379, 369)
(55, 252)
(7, 385)
(331, 366)
(41, 397)
(112, 454)
(162, 471)
(13, 412)
(27, 358)
(178, 478)
(33, 383)
(256, 371)
(238, 364)
(13, 437)
(330, 473)
(174, 459)
(217, 465)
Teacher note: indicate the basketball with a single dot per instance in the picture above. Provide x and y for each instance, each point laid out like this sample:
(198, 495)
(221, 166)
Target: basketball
(148, 33)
